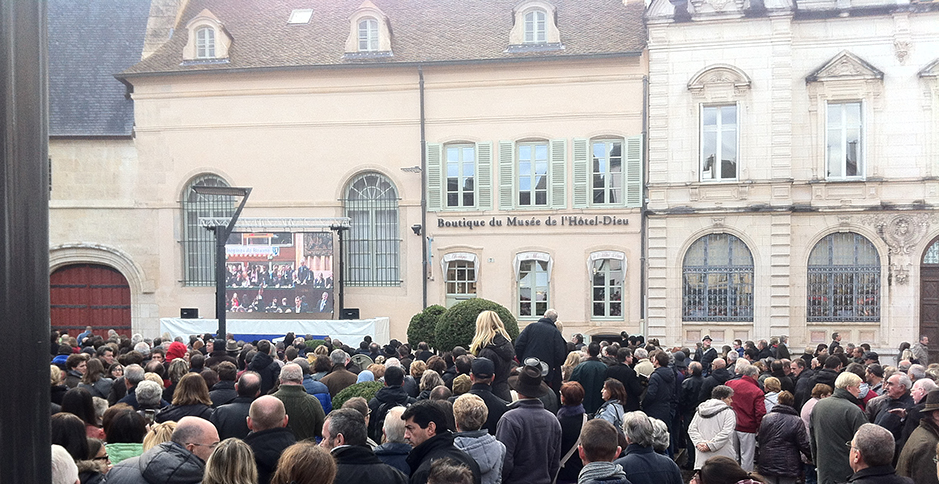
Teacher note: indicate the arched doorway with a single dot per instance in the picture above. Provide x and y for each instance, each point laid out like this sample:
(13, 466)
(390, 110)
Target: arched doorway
(929, 299)
(89, 295)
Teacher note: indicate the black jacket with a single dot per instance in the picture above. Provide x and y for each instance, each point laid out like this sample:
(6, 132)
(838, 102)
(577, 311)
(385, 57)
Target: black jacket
(781, 438)
(395, 395)
(176, 412)
(357, 464)
(438, 447)
(223, 392)
(570, 431)
(878, 475)
(394, 454)
(543, 341)
(690, 392)
(267, 368)
(627, 376)
(657, 402)
(717, 377)
(230, 419)
(502, 354)
(494, 404)
(267, 446)
(804, 387)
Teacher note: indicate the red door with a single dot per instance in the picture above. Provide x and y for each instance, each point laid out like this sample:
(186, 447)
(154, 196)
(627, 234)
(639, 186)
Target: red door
(89, 295)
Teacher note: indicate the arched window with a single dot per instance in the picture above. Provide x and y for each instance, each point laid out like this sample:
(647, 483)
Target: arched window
(373, 242)
(535, 27)
(717, 280)
(199, 243)
(368, 35)
(844, 279)
(205, 43)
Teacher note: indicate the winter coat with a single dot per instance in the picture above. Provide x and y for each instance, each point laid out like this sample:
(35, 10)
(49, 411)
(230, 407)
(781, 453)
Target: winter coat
(338, 380)
(120, 452)
(717, 377)
(643, 465)
(658, 400)
(58, 392)
(611, 411)
(713, 424)
(748, 404)
(878, 475)
(223, 392)
(439, 446)
(770, 401)
(690, 391)
(834, 421)
(88, 472)
(542, 340)
(591, 374)
(357, 464)
(230, 419)
(267, 446)
(305, 412)
(630, 380)
(394, 454)
(394, 395)
(269, 370)
(502, 354)
(72, 378)
(320, 391)
(486, 450)
(167, 463)
(781, 438)
(100, 388)
(919, 450)
(805, 382)
(176, 412)
(532, 438)
(496, 406)
(571, 423)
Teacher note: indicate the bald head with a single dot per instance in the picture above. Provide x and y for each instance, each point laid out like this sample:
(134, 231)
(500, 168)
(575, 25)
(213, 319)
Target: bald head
(718, 363)
(197, 435)
(267, 412)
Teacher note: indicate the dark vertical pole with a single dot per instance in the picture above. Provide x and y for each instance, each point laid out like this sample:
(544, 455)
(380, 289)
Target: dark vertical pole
(24, 234)
(424, 261)
(220, 240)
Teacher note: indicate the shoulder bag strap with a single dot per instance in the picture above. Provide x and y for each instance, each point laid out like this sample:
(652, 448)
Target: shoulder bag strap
(576, 444)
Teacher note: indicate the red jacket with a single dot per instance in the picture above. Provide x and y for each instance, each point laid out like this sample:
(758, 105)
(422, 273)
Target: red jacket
(748, 404)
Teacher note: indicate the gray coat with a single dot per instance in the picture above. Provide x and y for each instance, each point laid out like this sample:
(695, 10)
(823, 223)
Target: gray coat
(485, 450)
(167, 463)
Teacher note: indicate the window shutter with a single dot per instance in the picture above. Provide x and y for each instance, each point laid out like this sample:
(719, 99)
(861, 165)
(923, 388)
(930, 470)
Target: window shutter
(484, 176)
(506, 175)
(559, 173)
(581, 173)
(434, 178)
(634, 171)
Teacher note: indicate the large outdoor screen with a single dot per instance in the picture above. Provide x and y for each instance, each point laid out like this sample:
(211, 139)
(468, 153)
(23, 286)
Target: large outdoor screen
(279, 275)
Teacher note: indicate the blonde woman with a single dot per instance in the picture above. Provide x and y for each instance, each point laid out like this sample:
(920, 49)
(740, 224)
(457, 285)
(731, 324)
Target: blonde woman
(492, 341)
(573, 359)
(158, 434)
(232, 462)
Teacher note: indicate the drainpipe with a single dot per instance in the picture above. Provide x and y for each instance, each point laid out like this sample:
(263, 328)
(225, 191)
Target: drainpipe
(420, 73)
(643, 230)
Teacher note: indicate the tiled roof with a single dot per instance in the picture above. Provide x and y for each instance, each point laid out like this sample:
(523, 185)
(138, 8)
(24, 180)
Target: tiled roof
(422, 31)
(89, 42)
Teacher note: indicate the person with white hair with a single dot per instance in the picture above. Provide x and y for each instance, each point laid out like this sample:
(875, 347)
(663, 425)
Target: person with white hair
(870, 457)
(542, 339)
(394, 451)
(897, 402)
(64, 470)
(642, 464)
(339, 377)
(833, 422)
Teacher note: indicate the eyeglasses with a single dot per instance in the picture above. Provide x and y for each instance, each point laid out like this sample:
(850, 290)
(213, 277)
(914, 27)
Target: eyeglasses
(104, 458)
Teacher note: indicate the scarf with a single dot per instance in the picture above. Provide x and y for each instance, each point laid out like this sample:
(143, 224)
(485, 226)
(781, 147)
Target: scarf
(600, 470)
(570, 410)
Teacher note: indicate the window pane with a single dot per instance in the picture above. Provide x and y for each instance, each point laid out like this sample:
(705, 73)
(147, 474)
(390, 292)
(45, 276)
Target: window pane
(372, 204)
(199, 243)
(843, 279)
(718, 280)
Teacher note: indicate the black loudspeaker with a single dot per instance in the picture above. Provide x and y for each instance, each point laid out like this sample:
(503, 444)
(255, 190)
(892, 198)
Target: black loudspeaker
(189, 313)
(349, 313)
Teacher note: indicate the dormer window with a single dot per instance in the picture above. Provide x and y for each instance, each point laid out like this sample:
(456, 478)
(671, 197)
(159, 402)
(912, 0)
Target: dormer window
(205, 43)
(535, 27)
(368, 35)
(208, 40)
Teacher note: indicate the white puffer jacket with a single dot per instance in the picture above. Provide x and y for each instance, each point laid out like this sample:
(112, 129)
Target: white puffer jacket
(713, 424)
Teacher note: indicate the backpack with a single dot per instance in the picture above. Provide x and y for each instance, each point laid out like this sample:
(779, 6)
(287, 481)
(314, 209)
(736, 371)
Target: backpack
(377, 421)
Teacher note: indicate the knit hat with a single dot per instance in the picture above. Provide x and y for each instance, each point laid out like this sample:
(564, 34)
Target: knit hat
(176, 350)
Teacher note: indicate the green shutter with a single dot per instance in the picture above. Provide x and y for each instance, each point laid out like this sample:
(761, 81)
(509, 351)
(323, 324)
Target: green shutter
(559, 173)
(484, 176)
(506, 175)
(581, 173)
(434, 178)
(634, 171)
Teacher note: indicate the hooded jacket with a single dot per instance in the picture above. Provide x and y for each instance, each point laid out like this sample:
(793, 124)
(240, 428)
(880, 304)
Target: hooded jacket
(167, 463)
(269, 370)
(439, 446)
(502, 354)
(658, 400)
(485, 450)
(395, 395)
(781, 438)
(713, 424)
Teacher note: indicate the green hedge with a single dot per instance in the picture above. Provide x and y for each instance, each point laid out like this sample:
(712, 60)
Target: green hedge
(365, 389)
(313, 343)
(457, 326)
(424, 325)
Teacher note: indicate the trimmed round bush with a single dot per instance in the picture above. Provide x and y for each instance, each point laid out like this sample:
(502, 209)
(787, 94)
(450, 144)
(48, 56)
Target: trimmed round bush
(457, 326)
(365, 389)
(423, 326)
(313, 343)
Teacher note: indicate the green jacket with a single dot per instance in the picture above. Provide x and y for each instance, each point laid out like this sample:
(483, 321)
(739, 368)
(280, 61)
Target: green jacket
(305, 415)
(119, 452)
(834, 421)
(919, 450)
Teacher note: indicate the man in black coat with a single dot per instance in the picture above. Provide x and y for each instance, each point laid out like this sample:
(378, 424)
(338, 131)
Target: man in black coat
(803, 376)
(263, 363)
(481, 375)
(345, 436)
(390, 396)
(224, 391)
(719, 376)
(425, 428)
(870, 457)
(230, 419)
(622, 371)
(543, 340)
(269, 435)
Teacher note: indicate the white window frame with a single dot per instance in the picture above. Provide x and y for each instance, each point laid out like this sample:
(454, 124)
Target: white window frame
(613, 181)
(458, 262)
(532, 174)
(205, 43)
(842, 141)
(460, 164)
(715, 173)
(533, 264)
(601, 262)
(368, 34)
(536, 30)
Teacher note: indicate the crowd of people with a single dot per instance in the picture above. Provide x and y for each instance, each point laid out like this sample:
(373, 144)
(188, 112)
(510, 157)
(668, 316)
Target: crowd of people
(539, 409)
